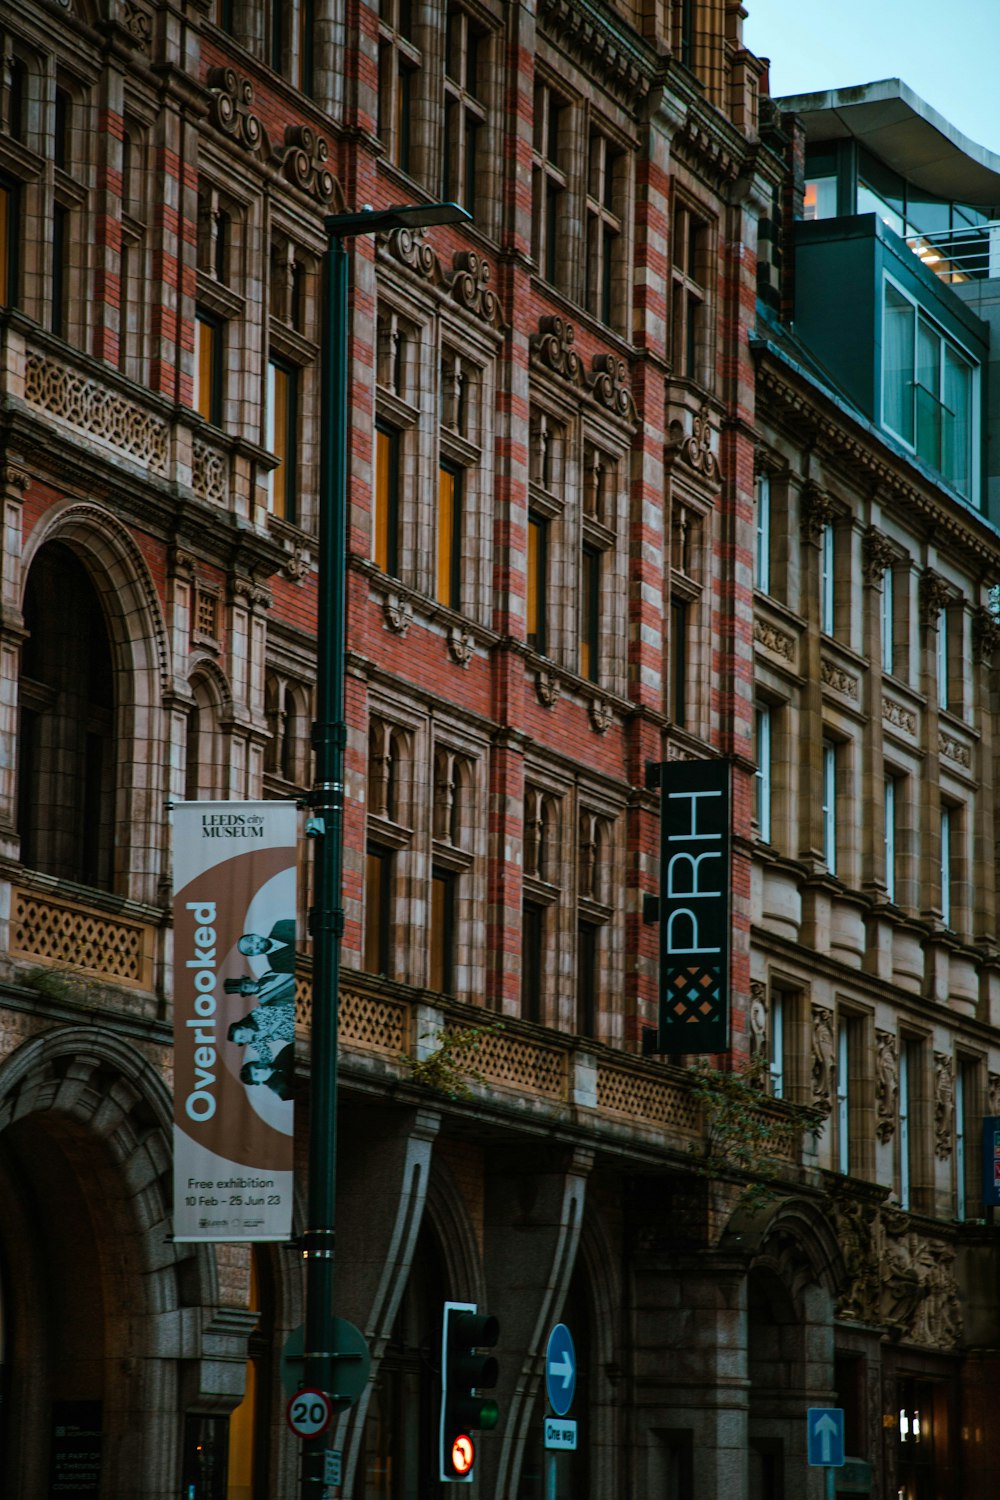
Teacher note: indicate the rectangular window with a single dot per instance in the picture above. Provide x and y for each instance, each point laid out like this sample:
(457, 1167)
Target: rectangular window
(830, 806)
(398, 72)
(385, 517)
(590, 612)
(762, 561)
(449, 537)
(889, 826)
(888, 620)
(606, 282)
(927, 391)
(678, 660)
(537, 583)
(549, 179)
(762, 723)
(60, 269)
(442, 962)
(8, 241)
(843, 1095)
(941, 653)
(946, 832)
(281, 437)
(689, 279)
(776, 1045)
(961, 1079)
(464, 112)
(208, 367)
(586, 978)
(968, 1110)
(906, 1081)
(532, 959)
(827, 597)
(378, 895)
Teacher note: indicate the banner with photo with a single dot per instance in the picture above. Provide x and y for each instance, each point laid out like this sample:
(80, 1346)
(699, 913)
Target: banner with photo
(234, 1019)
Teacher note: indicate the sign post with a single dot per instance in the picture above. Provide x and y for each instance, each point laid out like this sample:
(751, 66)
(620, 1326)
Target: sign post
(825, 1429)
(560, 1387)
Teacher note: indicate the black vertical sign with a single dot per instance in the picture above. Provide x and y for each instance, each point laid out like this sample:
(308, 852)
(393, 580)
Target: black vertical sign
(694, 906)
(75, 1463)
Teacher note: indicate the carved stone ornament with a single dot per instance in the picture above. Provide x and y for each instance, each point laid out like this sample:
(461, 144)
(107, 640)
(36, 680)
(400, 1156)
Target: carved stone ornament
(985, 635)
(886, 1085)
(954, 750)
(919, 1299)
(230, 111)
(409, 247)
(900, 717)
(856, 1225)
(601, 714)
(935, 595)
(547, 687)
(695, 448)
(137, 22)
(460, 645)
(823, 1058)
(297, 564)
(469, 284)
(835, 677)
(14, 475)
(398, 613)
(773, 639)
(944, 1105)
(758, 1017)
(552, 347)
(304, 163)
(817, 512)
(878, 555)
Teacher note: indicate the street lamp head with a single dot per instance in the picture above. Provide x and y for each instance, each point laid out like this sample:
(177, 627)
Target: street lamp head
(400, 216)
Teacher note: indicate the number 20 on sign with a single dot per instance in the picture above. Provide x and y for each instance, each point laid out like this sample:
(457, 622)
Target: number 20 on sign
(309, 1413)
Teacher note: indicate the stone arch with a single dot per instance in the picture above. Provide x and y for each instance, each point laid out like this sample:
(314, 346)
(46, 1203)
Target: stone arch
(98, 1288)
(137, 633)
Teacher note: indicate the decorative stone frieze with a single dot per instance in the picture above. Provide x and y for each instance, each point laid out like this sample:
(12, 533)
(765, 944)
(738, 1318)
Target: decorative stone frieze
(837, 678)
(552, 347)
(954, 750)
(469, 284)
(209, 474)
(919, 1299)
(944, 1105)
(93, 407)
(599, 44)
(695, 448)
(230, 101)
(15, 476)
(398, 613)
(886, 1085)
(304, 164)
(460, 645)
(137, 21)
(547, 687)
(856, 1223)
(935, 595)
(823, 1058)
(773, 639)
(900, 717)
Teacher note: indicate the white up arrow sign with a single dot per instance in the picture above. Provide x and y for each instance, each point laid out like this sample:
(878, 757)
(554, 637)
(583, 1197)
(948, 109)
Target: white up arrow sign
(827, 1429)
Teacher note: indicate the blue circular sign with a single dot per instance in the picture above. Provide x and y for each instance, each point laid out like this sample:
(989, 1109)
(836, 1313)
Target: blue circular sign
(560, 1369)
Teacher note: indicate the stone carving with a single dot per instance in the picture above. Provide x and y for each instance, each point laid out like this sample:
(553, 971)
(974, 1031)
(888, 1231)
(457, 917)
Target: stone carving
(137, 22)
(599, 43)
(14, 475)
(460, 645)
(547, 687)
(886, 1085)
(993, 1092)
(817, 512)
(229, 109)
(552, 346)
(823, 1058)
(680, 752)
(878, 554)
(856, 1224)
(209, 477)
(398, 613)
(773, 639)
(835, 677)
(758, 1017)
(919, 1294)
(935, 595)
(601, 714)
(954, 750)
(297, 563)
(304, 163)
(90, 404)
(944, 1105)
(902, 718)
(469, 284)
(696, 448)
(985, 635)
(410, 249)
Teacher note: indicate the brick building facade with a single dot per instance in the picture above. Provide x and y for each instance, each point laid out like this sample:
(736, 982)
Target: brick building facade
(570, 423)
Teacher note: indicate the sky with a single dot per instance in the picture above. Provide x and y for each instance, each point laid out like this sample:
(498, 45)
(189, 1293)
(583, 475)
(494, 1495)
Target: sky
(948, 51)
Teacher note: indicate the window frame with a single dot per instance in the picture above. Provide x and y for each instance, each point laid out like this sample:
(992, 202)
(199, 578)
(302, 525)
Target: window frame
(211, 365)
(830, 767)
(283, 482)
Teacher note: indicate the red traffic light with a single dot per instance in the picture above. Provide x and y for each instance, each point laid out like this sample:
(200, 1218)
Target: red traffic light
(463, 1454)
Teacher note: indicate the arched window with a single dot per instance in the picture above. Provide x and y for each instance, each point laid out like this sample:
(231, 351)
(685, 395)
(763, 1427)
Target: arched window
(66, 742)
(201, 763)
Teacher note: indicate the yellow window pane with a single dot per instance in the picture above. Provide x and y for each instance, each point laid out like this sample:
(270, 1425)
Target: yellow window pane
(241, 1442)
(5, 256)
(446, 537)
(205, 336)
(534, 540)
(383, 481)
(278, 436)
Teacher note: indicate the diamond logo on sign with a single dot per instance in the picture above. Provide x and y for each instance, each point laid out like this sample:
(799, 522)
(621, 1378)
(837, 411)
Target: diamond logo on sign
(560, 1369)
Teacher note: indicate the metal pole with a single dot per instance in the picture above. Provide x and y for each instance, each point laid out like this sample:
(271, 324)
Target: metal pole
(326, 803)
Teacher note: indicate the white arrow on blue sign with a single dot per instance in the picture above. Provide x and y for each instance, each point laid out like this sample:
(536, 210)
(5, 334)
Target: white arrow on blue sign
(826, 1437)
(560, 1369)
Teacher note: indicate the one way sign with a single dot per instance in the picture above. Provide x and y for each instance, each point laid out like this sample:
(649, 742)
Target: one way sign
(826, 1437)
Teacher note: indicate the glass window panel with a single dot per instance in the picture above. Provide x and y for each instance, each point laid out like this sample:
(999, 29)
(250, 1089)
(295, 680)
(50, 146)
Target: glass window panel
(957, 422)
(385, 518)
(870, 202)
(537, 576)
(449, 536)
(821, 198)
(897, 384)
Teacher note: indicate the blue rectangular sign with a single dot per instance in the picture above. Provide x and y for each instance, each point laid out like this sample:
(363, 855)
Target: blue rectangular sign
(826, 1437)
(991, 1161)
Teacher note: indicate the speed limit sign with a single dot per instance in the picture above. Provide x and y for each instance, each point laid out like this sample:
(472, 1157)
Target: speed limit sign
(309, 1413)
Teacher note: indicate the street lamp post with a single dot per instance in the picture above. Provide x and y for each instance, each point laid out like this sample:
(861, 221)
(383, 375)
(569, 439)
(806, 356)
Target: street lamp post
(326, 800)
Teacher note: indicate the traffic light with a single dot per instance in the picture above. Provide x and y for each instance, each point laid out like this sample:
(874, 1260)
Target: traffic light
(465, 1371)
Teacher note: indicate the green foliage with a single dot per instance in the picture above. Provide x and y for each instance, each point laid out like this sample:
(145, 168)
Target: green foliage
(59, 984)
(453, 1061)
(745, 1133)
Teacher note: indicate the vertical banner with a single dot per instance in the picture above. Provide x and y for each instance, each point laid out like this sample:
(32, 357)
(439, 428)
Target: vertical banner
(991, 1161)
(694, 906)
(234, 1019)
